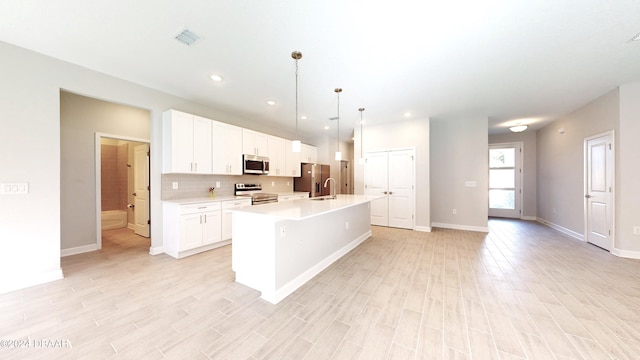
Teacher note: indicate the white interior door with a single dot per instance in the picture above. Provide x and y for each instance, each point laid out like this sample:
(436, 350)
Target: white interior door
(599, 190)
(376, 183)
(141, 189)
(391, 174)
(401, 189)
(505, 174)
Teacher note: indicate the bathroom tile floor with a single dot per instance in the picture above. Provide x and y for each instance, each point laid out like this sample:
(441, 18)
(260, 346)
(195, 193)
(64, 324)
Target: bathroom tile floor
(522, 291)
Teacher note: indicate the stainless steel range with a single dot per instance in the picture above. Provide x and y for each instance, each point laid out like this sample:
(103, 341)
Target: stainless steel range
(255, 192)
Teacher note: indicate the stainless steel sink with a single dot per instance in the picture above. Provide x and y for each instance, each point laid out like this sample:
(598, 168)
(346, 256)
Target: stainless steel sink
(322, 198)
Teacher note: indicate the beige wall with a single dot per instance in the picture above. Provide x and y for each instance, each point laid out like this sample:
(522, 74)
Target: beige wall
(561, 162)
(459, 153)
(529, 168)
(80, 118)
(628, 172)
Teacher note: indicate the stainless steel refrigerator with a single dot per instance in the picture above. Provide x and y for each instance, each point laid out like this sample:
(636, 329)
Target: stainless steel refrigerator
(312, 179)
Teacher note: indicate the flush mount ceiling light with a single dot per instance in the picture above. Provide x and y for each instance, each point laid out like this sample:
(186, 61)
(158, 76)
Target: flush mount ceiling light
(187, 37)
(216, 77)
(327, 127)
(296, 145)
(303, 117)
(407, 114)
(338, 152)
(519, 128)
(270, 102)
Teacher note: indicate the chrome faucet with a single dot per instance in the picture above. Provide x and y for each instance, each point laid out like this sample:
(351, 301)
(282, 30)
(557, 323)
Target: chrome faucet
(334, 186)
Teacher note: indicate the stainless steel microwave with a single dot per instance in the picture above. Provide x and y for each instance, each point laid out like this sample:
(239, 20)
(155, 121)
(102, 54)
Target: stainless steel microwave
(253, 164)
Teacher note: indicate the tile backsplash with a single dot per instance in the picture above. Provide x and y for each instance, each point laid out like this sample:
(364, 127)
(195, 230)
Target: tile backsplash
(196, 186)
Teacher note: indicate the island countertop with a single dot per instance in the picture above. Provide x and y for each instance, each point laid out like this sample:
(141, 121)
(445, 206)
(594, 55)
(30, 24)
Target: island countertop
(300, 209)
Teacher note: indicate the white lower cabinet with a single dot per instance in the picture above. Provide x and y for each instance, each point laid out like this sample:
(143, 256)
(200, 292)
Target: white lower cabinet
(193, 228)
(227, 217)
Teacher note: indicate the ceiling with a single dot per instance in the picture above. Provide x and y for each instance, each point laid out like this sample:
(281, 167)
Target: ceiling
(508, 60)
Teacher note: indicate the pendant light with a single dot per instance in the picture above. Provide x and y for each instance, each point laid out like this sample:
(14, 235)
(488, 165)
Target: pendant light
(361, 161)
(338, 153)
(296, 145)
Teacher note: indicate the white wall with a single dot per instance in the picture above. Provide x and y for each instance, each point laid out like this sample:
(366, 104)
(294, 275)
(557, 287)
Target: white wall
(628, 172)
(529, 167)
(397, 135)
(30, 237)
(459, 153)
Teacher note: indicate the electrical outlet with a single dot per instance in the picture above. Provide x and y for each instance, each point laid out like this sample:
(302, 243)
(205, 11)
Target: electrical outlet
(455, 211)
(218, 184)
(174, 185)
(636, 230)
(288, 183)
(273, 183)
(346, 225)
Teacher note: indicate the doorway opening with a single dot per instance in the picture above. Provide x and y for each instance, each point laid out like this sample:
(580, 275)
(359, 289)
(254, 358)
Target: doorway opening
(505, 180)
(122, 181)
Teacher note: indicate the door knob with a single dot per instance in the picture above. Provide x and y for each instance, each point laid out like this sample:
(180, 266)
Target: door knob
(587, 196)
(134, 194)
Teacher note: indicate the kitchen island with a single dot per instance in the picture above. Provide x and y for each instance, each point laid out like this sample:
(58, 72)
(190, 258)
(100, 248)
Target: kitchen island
(278, 247)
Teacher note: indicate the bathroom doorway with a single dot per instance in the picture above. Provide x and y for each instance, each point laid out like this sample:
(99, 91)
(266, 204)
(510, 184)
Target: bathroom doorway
(122, 177)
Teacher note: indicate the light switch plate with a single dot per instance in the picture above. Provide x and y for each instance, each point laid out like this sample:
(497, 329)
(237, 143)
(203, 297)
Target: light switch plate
(174, 185)
(14, 188)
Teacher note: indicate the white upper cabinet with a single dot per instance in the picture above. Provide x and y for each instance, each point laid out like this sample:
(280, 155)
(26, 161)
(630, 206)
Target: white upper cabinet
(186, 143)
(277, 156)
(227, 149)
(292, 166)
(309, 154)
(254, 143)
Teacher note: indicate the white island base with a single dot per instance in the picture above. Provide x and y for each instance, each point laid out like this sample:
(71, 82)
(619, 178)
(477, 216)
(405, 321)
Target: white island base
(277, 248)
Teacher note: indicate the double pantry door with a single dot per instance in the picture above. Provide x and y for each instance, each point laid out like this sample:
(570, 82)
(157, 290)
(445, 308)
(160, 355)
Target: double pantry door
(391, 174)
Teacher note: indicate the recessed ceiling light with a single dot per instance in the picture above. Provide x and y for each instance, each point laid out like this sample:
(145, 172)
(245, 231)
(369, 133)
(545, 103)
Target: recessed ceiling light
(216, 77)
(303, 117)
(636, 38)
(271, 102)
(407, 114)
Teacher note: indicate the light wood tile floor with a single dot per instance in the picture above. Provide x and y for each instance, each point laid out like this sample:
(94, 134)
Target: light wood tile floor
(523, 291)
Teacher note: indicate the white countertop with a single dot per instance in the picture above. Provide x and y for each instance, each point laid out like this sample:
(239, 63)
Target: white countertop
(305, 208)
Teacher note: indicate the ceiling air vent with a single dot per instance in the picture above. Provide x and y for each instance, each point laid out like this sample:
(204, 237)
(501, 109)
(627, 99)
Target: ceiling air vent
(187, 37)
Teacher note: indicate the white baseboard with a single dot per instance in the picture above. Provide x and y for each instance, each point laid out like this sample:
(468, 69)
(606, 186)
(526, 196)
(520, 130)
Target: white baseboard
(301, 279)
(78, 250)
(156, 250)
(460, 227)
(22, 281)
(562, 229)
(629, 254)
(527, 217)
(423, 228)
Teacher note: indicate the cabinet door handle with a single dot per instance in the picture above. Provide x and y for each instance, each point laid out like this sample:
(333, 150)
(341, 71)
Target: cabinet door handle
(200, 219)
(205, 218)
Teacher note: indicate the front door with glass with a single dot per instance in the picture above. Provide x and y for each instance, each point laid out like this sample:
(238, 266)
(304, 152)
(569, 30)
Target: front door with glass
(504, 180)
